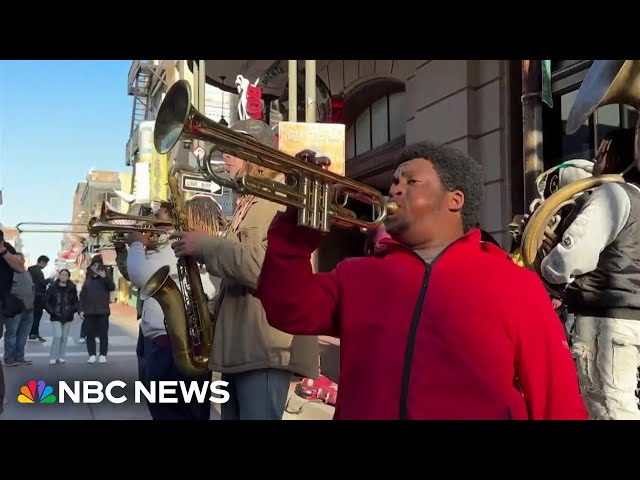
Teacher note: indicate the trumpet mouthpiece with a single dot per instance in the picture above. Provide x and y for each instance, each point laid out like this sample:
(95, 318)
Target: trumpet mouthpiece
(392, 208)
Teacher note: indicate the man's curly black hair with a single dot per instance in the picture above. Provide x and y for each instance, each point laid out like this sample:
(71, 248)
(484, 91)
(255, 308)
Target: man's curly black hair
(457, 171)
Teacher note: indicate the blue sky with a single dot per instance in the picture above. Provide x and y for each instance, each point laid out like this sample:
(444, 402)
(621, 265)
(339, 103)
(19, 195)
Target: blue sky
(58, 119)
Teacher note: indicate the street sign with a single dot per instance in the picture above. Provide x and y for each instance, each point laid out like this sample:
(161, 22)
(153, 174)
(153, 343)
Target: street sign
(197, 184)
(198, 152)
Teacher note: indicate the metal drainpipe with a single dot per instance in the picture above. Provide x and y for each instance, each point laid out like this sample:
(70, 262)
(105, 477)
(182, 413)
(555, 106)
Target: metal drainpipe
(202, 85)
(310, 117)
(293, 91)
(531, 128)
(310, 90)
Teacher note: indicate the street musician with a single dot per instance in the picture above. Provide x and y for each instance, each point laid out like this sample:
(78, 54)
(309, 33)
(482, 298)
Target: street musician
(598, 259)
(155, 355)
(257, 360)
(439, 323)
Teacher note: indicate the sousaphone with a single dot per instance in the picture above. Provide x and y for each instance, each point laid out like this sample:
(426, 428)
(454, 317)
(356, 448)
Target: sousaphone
(607, 82)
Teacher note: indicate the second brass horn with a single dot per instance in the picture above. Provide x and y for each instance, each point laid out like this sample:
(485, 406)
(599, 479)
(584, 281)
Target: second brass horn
(96, 227)
(320, 196)
(607, 82)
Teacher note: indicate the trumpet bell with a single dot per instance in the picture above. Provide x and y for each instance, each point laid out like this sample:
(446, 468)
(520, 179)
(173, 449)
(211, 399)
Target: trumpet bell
(172, 117)
(607, 82)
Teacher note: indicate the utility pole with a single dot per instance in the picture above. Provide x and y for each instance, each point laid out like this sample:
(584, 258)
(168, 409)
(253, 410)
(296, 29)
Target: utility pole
(310, 90)
(531, 127)
(293, 91)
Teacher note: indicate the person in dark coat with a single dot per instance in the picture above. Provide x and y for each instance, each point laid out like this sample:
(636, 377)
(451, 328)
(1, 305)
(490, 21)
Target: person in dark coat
(41, 283)
(61, 303)
(95, 307)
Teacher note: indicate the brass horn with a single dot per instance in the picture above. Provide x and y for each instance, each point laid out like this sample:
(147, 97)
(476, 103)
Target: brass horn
(96, 227)
(536, 233)
(108, 215)
(320, 196)
(607, 82)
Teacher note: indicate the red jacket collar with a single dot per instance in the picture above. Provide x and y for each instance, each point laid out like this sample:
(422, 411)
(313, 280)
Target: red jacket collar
(388, 245)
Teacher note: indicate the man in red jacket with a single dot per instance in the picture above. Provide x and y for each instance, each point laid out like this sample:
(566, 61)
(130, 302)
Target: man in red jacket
(436, 324)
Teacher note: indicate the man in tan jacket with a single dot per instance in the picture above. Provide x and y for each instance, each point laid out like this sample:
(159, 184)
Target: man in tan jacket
(257, 360)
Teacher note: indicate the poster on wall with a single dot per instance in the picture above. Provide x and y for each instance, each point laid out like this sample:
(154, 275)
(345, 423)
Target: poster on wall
(142, 182)
(158, 176)
(326, 139)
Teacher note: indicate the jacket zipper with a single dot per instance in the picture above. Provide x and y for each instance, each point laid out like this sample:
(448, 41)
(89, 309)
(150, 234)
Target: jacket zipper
(413, 329)
(411, 343)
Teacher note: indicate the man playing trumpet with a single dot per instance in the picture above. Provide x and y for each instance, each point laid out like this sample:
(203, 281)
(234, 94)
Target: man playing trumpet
(449, 325)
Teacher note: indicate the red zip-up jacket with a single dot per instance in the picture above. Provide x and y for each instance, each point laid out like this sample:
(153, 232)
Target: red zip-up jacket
(469, 336)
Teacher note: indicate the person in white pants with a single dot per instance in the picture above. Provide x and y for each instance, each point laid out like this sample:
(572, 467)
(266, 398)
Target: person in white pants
(61, 303)
(598, 258)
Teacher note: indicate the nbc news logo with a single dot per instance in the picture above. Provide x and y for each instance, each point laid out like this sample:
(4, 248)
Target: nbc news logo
(91, 391)
(36, 392)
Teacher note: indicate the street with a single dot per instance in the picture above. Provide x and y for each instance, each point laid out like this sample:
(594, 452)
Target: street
(121, 365)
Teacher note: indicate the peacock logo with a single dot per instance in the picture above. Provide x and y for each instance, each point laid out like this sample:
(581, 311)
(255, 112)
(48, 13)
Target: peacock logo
(44, 393)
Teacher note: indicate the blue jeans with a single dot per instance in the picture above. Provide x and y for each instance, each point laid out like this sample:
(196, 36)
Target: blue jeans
(59, 341)
(256, 395)
(16, 334)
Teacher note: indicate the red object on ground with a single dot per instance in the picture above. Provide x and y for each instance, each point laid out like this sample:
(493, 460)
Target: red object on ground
(321, 389)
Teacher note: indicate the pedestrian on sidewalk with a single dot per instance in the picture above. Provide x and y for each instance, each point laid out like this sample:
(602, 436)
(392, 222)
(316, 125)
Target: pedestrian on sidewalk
(61, 304)
(10, 263)
(95, 307)
(437, 324)
(40, 283)
(18, 327)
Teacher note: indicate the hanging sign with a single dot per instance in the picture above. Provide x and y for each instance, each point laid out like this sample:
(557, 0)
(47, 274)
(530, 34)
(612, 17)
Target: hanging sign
(250, 104)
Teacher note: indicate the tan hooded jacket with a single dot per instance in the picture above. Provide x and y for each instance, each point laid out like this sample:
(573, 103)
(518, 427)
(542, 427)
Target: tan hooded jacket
(243, 340)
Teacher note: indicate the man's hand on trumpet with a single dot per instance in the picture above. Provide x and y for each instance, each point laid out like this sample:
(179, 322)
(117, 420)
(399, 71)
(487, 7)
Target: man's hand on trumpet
(322, 162)
(141, 237)
(311, 157)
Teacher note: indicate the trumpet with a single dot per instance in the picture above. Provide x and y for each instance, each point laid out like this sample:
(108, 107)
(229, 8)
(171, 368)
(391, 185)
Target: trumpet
(96, 227)
(108, 215)
(320, 196)
(122, 224)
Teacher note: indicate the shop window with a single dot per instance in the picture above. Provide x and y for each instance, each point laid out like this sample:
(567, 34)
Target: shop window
(379, 123)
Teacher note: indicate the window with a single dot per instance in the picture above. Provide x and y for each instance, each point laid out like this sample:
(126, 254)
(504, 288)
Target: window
(558, 146)
(379, 123)
(217, 103)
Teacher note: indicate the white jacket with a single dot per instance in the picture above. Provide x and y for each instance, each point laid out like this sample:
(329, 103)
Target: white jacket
(141, 265)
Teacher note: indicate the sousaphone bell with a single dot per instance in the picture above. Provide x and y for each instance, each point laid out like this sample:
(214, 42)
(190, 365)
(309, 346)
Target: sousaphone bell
(608, 82)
